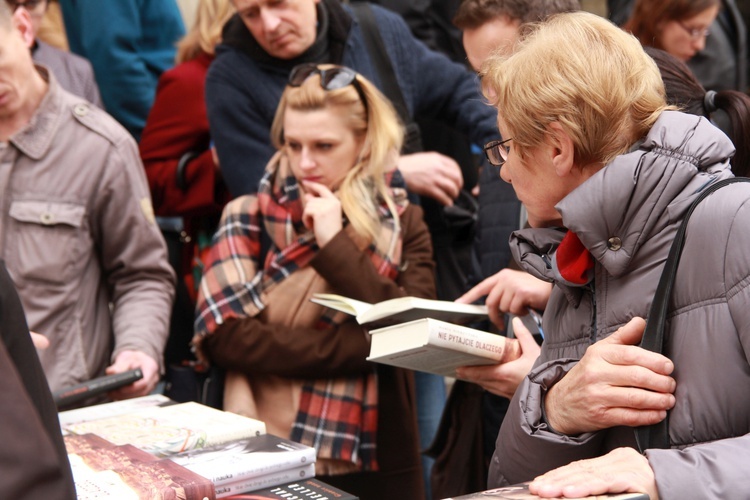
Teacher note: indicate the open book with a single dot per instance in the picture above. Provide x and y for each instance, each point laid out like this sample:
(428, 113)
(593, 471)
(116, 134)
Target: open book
(434, 346)
(401, 310)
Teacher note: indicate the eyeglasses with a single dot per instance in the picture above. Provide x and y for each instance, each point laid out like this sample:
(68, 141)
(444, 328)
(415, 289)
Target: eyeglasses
(27, 4)
(331, 78)
(695, 33)
(497, 152)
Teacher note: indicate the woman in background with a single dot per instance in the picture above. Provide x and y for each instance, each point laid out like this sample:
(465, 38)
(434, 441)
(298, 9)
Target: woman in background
(324, 220)
(679, 27)
(182, 170)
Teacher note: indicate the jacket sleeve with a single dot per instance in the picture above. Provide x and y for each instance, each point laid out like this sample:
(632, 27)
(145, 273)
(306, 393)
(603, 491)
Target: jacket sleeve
(240, 113)
(177, 126)
(133, 255)
(437, 86)
(250, 346)
(526, 445)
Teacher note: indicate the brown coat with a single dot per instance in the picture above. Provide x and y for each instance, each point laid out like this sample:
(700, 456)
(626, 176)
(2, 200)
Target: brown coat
(256, 348)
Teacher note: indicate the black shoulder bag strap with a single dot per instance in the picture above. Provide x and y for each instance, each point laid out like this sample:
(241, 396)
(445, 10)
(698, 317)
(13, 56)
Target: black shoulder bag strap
(657, 435)
(384, 68)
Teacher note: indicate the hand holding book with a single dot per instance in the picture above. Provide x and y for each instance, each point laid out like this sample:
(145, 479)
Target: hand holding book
(503, 379)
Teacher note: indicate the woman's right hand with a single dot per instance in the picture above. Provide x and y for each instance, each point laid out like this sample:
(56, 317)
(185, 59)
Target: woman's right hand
(323, 213)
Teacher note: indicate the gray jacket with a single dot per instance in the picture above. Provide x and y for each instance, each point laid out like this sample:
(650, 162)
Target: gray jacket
(78, 236)
(626, 215)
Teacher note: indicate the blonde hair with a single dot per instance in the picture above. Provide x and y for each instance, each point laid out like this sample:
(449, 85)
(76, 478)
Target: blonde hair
(364, 185)
(205, 34)
(583, 72)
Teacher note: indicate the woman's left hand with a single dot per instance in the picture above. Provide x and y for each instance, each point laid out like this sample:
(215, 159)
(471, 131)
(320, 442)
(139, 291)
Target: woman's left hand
(622, 470)
(322, 213)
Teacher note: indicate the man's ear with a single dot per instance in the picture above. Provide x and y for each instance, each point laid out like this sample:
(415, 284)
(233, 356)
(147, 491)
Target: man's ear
(563, 150)
(22, 22)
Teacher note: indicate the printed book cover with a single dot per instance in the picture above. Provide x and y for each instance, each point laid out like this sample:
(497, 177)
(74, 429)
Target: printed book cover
(246, 458)
(434, 346)
(166, 430)
(113, 409)
(401, 310)
(103, 470)
(265, 481)
(309, 489)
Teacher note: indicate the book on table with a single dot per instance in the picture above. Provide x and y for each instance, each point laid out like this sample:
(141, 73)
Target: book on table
(104, 470)
(252, 484)
(401, 310)
(309, 489)
(521, 492)
(246, 458)
(433, 346)
(166, 430)
(113, 409)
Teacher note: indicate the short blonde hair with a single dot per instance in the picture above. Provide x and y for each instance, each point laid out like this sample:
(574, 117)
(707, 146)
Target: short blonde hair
(583, 72)
(205, 34)
(377, 123)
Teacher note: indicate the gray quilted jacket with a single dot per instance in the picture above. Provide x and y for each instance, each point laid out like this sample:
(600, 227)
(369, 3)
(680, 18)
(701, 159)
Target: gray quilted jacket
(626, 215)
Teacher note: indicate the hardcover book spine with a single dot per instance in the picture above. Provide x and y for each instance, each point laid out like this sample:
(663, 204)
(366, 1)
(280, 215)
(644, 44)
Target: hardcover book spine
(240, 469)
(265, 481)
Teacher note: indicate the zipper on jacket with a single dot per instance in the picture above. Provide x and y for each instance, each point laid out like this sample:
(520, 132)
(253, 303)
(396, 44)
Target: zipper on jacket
(592, 340)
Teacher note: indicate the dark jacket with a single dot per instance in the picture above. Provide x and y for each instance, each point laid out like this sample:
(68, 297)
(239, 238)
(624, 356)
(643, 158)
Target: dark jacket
(626, 215)
(244, 86)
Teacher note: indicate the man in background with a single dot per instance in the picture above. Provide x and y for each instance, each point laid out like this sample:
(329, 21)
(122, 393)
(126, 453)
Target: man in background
(464, 451)
(77, 230)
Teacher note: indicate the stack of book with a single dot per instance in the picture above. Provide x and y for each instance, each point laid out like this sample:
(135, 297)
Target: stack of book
(154, 448)
(251, 464)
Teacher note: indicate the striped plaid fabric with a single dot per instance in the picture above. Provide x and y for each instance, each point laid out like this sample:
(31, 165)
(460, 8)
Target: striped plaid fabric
(337, 416)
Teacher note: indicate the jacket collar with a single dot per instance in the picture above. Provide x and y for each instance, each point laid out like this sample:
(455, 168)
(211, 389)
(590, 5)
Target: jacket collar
(34, 139)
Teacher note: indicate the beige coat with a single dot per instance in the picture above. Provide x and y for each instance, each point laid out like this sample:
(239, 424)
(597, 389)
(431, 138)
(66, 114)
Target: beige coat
(78, 236)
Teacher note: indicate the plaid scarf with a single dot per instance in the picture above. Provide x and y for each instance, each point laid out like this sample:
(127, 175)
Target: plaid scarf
(336, 416)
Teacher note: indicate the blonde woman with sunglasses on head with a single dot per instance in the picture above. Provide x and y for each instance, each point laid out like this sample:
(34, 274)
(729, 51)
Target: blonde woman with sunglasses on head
(325, 219)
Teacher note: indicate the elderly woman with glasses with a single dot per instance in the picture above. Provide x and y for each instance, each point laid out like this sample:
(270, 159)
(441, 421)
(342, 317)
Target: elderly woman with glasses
(328, 217)
(679, 27)
(607, 171)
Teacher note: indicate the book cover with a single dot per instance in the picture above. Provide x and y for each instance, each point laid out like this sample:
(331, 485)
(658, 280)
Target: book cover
(166, 430)
(102, 469)
(100, 411)
(246, 458)
(401, 310)
(266, 480)
(434, 346)
(521, 491)
(309, 489)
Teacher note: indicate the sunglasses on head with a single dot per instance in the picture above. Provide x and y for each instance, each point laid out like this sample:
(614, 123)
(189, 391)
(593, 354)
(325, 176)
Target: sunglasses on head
(331, 78)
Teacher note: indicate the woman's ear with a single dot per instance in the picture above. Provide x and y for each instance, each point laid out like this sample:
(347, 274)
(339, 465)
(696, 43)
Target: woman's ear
(563, 150)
